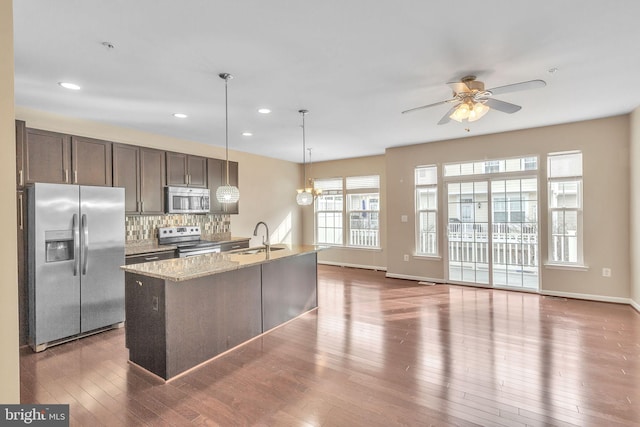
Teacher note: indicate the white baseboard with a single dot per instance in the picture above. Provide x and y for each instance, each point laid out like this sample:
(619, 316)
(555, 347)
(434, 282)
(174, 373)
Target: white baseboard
(590, 297)
(634, 305)
(344, 264)
(417, 278)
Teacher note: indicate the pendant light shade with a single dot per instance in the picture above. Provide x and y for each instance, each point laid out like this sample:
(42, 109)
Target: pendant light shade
(227, 193)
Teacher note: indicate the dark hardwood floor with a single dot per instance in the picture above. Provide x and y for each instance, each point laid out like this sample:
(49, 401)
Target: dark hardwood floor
(378, 352)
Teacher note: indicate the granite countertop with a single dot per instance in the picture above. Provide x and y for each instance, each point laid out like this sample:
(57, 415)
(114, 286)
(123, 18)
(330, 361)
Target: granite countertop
(140, 247)
(180, 269)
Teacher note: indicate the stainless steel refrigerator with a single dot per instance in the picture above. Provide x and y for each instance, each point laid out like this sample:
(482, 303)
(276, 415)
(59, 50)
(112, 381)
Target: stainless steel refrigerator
(75, 250)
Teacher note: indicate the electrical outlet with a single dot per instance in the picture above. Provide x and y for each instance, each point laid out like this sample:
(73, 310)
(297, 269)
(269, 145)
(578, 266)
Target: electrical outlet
(404, 218)
(406, 257)
(606, 272)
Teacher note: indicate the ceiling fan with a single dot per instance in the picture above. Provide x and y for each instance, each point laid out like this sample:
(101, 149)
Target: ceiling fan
(472, 100)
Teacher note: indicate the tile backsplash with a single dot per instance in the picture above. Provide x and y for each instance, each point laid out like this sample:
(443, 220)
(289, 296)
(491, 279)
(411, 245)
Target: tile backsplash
(145, 227)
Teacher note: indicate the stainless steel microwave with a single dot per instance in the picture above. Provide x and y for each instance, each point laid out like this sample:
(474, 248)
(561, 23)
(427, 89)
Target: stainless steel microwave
(187, 200)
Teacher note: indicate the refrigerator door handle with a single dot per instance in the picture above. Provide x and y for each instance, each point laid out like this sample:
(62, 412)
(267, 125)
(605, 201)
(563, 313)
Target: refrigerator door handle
(76, 245)
(85, 244)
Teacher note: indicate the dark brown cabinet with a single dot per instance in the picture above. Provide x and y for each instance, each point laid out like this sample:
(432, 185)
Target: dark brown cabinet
(91, 161)
(217, 176)
(57, 158)
(141, 171)
(47, 157)
(184, 170)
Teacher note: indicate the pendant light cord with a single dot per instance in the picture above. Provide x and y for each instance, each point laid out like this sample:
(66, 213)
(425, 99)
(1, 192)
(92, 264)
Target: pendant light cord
(304, 160)
(226, 125)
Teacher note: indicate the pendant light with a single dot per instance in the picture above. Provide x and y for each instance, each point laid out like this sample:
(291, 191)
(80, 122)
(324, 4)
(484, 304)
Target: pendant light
(227, 193)
(304, 197)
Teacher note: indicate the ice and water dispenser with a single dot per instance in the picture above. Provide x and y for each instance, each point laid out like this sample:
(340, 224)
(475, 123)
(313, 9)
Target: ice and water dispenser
(58, 245)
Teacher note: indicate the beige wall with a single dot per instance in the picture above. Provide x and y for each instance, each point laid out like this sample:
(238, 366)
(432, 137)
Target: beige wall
(267, 186)
(368, 258)
(9, 367)
(635, 208)
(605, 147)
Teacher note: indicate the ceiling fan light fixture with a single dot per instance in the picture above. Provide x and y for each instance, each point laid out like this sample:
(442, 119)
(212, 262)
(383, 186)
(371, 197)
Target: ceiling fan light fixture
(478, 111)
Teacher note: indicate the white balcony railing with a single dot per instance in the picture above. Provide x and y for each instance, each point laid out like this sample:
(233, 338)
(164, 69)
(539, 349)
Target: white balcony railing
(364, 237)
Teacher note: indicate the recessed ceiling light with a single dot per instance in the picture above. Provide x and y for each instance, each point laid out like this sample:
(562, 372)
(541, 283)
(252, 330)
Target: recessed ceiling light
(247, 134)
(68, 85)
(264, 110)
(180, 115)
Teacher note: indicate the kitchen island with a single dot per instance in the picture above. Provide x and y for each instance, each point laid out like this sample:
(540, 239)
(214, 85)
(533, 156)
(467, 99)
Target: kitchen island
(182, 312)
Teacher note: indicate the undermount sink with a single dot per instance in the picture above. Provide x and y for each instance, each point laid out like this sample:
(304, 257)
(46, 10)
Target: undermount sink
(259, 250)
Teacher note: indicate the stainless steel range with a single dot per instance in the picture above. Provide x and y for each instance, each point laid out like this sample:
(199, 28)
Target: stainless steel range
(187, 239)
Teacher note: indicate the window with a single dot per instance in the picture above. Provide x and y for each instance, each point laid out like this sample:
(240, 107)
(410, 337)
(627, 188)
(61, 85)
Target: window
(363, 195)
(565, 208)
(362, 206)
(426, 182)
(329, 210)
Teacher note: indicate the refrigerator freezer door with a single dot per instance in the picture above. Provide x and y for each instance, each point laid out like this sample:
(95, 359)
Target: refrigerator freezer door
(54, 291)
(102, 234)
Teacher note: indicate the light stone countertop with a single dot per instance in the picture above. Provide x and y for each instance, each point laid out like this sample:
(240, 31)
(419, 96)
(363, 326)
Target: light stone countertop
(180, 269)
(140, 247)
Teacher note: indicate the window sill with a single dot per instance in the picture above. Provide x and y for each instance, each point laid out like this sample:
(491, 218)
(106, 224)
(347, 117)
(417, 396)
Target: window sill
(574, 267)
(428, 257)
(359, 248)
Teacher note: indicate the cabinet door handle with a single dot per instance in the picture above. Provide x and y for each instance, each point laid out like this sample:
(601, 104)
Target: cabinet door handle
(20, 177)
(66, 175)
(20, 212)
(186, 179)
(142, 206)
(75, 176)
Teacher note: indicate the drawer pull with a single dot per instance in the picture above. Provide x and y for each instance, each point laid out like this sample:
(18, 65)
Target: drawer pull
(151, 258)
(138, 282)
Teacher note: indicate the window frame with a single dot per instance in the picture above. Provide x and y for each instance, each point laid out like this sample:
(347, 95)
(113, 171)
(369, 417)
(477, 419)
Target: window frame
(563, 210)
(346, 212)
(429, 210)
(327, 193)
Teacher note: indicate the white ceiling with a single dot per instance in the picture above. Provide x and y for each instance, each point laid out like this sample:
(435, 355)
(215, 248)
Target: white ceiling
(355, 64)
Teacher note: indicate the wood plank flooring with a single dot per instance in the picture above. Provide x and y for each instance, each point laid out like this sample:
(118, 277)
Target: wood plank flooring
(377, 352)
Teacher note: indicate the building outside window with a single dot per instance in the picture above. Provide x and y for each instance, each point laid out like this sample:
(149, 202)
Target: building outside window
(348, 207)
(426, 183)
(565, 208)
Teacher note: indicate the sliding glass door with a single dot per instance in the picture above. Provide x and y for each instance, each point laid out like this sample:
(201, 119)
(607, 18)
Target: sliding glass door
(492, 232)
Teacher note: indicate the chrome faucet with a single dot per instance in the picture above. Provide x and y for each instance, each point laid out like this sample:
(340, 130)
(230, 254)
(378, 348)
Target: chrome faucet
(265, 242)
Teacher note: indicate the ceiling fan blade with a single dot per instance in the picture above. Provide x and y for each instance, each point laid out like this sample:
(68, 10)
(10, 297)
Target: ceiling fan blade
(446, 119)
(531, 84)
(426, 106)
(505, 107)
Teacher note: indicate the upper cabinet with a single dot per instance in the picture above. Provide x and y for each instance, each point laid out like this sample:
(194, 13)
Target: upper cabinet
(61, 159)
(91, 161)
(47, 157)
(184, 170)
(141, 171)
(217, 176)
(21, 134)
